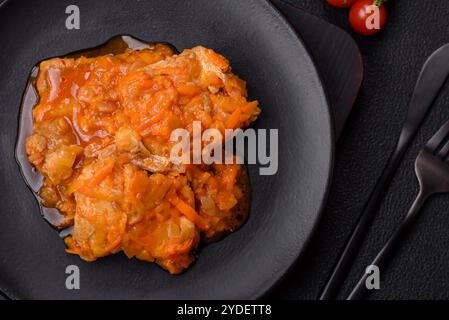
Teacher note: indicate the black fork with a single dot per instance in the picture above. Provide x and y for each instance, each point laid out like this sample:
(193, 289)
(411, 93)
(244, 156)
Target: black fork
(432, 171)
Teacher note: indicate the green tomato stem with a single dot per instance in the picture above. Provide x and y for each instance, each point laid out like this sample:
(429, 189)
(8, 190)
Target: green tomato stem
(379, 2)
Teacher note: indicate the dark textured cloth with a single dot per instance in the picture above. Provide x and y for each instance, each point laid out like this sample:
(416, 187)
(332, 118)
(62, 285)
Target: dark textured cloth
(419, 269)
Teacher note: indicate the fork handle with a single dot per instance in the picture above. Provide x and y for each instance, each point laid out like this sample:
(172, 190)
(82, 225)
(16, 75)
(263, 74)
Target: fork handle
(360, 289)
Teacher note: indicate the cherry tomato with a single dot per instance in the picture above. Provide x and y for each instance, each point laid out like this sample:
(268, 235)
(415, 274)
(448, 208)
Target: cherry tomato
(363, 18)
(341, 3)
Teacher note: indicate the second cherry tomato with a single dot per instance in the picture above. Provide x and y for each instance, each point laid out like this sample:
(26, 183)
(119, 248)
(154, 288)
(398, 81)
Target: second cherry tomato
(366, 19)
(341, 3)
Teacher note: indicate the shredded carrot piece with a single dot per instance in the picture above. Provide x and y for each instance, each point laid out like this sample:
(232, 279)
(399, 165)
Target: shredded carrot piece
(101, 174)
(188, 89)
(250, 107)
(189, 212)
(234, 119)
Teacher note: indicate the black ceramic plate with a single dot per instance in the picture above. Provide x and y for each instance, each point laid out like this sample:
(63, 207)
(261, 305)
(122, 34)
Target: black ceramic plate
(265, 51)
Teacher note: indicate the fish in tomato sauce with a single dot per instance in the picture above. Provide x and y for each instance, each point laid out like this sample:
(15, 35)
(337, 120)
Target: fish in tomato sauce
(101, 141)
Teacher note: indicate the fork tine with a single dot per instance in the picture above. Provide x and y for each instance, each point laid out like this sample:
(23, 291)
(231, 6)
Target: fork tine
(444, 151)
(436, 140)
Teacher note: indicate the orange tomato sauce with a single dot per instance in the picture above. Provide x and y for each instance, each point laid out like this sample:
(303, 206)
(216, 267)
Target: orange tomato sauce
(101, 140)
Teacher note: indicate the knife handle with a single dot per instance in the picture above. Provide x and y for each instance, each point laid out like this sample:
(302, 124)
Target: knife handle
(355, 240)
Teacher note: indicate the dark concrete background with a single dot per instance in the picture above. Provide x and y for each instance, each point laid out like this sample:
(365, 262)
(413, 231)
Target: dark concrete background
(392, 60)
(419, 269)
